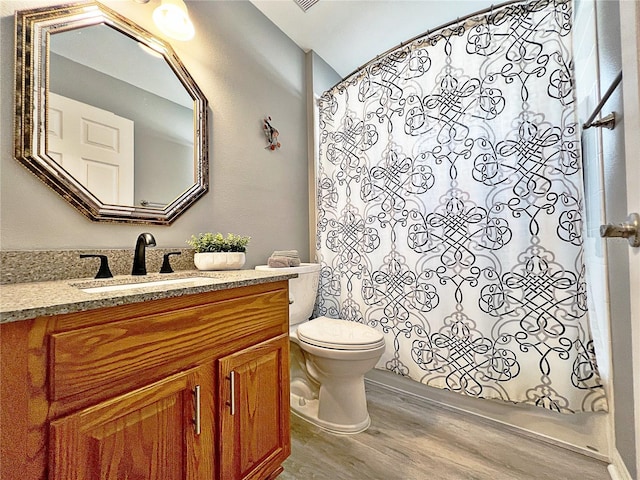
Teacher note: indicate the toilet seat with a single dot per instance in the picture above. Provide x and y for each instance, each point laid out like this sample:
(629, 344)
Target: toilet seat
(325, 332)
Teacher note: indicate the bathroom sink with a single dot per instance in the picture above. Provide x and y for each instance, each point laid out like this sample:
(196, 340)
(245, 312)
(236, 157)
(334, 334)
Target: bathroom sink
(185, 282)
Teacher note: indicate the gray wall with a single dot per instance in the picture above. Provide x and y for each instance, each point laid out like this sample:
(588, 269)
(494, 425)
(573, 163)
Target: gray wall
(247, 68)
(324, 77)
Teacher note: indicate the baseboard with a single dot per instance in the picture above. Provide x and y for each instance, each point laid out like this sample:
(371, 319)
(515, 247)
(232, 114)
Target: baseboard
(617, 469)
(399, 384)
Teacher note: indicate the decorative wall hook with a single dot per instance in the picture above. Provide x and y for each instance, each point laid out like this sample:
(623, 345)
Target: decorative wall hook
(271, 134)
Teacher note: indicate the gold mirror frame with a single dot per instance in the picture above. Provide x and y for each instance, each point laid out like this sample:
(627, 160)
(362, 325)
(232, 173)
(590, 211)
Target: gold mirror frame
(33, 28)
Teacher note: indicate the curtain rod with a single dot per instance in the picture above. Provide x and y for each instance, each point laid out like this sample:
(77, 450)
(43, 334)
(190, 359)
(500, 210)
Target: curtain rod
(428, 32)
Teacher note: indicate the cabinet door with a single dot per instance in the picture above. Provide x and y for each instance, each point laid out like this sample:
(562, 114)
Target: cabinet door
(147, 434)
(254, 411)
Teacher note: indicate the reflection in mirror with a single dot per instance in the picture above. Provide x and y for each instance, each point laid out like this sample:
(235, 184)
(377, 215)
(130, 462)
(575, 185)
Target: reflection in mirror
(125, 123)
(124, 96)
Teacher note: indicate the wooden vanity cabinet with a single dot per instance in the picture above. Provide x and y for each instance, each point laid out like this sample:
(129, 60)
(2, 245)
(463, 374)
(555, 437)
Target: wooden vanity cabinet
(193, 387)
(147, 433)
(254, 410)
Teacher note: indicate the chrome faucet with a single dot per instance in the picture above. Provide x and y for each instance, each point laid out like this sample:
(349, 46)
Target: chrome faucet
(139, 260)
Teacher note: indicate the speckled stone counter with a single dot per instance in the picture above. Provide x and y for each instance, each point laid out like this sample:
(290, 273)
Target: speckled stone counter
(21, 266)
(21, 301)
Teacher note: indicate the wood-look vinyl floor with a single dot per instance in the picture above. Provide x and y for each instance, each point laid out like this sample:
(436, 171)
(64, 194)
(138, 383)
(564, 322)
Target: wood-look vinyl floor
(412, 439)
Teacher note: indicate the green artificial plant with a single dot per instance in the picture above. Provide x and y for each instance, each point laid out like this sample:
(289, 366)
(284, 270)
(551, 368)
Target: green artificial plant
(209, 242)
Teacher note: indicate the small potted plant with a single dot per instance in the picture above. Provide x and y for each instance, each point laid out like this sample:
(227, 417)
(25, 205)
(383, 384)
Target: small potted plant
(217, 252)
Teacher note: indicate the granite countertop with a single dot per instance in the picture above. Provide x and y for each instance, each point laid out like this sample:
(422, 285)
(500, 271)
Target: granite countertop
(22, 301)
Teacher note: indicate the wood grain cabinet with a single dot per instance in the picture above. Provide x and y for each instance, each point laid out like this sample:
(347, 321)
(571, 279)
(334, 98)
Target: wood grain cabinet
(147, 433)
(254, 419)
(189, 388)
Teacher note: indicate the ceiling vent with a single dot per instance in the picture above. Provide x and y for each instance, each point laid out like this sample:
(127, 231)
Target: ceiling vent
(305, 4)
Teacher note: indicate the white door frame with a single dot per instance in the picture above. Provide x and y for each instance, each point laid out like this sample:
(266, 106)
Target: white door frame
(630, 41)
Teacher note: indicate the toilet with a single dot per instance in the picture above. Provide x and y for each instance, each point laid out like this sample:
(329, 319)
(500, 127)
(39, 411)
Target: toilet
(329, 358)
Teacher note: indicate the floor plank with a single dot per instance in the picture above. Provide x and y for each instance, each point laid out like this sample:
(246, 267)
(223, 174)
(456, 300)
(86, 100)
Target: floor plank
(412, 439)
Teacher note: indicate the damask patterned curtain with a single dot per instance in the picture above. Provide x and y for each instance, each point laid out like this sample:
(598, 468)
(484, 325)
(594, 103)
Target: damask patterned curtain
(450, 210)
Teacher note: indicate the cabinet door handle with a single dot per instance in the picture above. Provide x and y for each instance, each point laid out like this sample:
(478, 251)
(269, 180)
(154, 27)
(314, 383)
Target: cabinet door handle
(196, 420)
(232, 395)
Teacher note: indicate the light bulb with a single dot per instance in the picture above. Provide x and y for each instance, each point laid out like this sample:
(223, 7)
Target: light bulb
(173, 20)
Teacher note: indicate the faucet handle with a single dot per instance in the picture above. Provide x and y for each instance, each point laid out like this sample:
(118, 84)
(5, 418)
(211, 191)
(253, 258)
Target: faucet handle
(103, 271)
(166, 265)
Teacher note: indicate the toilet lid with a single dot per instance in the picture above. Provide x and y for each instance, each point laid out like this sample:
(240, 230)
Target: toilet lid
(339, 334)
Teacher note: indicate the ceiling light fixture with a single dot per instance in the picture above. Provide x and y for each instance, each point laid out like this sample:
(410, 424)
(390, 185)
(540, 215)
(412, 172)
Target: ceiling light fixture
(173, 20)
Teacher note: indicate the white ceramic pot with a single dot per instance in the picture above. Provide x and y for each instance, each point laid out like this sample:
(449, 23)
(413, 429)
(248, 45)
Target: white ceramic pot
(219, 260)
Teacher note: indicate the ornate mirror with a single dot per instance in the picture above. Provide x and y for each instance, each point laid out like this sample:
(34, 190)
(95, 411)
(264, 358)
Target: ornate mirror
(107, 115)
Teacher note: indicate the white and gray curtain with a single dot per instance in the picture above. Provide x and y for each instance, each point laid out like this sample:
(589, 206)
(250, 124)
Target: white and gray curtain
(450, 210)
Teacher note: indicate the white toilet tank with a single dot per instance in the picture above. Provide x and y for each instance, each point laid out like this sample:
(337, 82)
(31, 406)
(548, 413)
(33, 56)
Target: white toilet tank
(302, 290)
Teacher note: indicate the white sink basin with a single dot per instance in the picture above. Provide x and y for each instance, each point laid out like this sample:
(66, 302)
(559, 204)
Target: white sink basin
(185, 282)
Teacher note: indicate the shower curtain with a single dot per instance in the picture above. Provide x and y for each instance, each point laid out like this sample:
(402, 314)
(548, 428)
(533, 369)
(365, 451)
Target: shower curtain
(450, 210)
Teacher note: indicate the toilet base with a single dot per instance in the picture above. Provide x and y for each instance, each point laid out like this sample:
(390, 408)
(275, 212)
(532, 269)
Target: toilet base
(308, 410)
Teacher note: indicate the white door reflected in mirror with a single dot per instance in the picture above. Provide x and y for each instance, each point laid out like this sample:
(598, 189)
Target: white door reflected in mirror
(94, 146)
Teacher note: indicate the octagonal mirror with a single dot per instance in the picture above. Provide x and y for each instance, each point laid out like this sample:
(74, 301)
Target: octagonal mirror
(107, 115)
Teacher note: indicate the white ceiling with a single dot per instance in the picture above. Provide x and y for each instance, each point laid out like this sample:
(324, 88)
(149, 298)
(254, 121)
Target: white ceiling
(349, 33)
